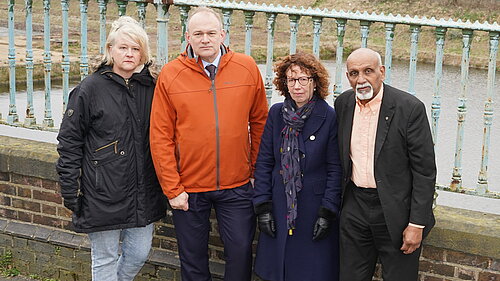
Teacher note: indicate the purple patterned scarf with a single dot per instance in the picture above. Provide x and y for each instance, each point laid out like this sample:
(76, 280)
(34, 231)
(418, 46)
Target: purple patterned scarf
(290, 161)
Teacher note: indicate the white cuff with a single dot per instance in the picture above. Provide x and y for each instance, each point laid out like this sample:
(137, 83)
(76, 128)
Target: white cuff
(416, 225)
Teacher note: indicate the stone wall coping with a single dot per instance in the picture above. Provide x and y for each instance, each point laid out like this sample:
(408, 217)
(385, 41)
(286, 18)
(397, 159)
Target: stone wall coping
(28, 157)
(43, 233)
(466, 231)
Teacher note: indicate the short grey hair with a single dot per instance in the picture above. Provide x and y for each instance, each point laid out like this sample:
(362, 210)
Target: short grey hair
(203, 9)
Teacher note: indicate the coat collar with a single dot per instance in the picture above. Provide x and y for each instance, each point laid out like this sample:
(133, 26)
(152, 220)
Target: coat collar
(190, 59)
(143, 77)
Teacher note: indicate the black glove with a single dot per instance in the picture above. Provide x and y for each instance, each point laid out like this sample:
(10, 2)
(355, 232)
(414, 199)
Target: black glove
(323, 223)
(72, 203)
(265, 219)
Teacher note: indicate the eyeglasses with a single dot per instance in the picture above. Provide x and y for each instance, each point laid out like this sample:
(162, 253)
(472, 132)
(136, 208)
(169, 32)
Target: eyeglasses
(302, 81)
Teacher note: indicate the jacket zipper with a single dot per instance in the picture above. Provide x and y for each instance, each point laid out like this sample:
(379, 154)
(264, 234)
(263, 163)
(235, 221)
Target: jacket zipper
(115, 143)
(217, 144)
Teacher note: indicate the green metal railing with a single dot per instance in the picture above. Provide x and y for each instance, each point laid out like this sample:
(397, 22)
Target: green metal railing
(271, 12)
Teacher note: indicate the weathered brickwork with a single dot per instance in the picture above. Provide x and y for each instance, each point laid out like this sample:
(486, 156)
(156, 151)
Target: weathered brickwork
(32, 203)
(36, 228)
(442, 264)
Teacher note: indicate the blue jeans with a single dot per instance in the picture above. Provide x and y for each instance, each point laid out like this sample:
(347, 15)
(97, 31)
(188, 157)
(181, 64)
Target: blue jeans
(108, 264)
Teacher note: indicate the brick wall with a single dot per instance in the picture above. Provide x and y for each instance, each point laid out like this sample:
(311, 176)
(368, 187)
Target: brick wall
(439, 264)
(35, 227)
(33, 200)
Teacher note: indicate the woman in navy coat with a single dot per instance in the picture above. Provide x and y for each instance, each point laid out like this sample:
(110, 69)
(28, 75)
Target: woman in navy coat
(298, 178)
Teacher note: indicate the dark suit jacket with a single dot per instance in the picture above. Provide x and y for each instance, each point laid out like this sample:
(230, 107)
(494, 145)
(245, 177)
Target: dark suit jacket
(404, 161)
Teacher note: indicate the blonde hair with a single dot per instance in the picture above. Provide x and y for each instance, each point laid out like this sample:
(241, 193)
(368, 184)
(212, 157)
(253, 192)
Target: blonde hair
(128, 27)
(204, 9)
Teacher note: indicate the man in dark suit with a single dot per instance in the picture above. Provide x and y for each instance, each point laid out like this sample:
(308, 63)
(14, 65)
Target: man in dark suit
(389, 169)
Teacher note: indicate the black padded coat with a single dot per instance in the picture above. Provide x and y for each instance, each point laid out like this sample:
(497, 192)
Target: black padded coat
(104, 153)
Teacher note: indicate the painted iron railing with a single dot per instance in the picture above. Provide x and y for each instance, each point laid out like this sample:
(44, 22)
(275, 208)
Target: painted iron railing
(271, 12)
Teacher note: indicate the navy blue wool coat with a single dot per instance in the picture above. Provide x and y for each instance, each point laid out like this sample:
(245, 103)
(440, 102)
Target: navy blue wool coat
(298, 257)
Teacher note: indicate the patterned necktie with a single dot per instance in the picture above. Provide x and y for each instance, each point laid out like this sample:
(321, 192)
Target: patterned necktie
(211, 70)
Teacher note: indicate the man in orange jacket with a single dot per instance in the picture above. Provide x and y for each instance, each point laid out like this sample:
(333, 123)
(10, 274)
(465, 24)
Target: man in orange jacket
(207, 118)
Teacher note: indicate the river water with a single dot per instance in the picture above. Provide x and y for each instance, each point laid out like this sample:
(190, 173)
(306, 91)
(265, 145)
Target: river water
(424, 88)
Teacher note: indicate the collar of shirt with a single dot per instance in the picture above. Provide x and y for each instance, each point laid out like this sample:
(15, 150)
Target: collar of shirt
(139, 68)
(374, 104)
(215, 62)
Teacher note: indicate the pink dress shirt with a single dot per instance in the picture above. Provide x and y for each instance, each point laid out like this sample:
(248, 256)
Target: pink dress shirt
(364, 131)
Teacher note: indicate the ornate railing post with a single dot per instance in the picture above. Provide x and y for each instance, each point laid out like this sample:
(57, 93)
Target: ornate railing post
(30, 116)
(122, 7)
(65, 63)
(162, 26)
(102, 25)
(184, 13)
(12, 117)
(365, 31)
(226, 22)
(482, 180)
(436, 98)
(415, 31)
(141, 13)
(389, 38)
(294, 28)
(271, 20)
(317, 22)
(248, 31)
(456, 180)
(84, 64)
(337, 88)
(47, 61)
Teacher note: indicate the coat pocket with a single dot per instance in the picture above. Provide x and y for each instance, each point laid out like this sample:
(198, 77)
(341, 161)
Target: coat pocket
(111, 173)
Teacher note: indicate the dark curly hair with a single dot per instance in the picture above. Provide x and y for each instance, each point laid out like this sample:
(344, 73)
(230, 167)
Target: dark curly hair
(308, 63)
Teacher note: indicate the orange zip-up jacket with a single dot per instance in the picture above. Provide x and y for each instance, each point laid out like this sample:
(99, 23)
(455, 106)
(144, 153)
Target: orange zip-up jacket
(205, 134)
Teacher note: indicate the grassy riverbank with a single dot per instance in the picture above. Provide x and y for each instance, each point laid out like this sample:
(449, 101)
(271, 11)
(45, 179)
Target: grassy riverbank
(481, 10)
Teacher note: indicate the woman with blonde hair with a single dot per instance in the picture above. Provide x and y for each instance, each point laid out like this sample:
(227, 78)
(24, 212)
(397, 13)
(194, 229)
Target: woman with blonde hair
(106, 172)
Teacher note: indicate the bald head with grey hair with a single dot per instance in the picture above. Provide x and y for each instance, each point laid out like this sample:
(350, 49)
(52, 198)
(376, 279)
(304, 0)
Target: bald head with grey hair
(365, 51)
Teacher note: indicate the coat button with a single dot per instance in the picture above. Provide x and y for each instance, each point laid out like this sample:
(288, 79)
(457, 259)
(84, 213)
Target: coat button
(95, 162)
(313, 137)
(122, 152)
(303, 156)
